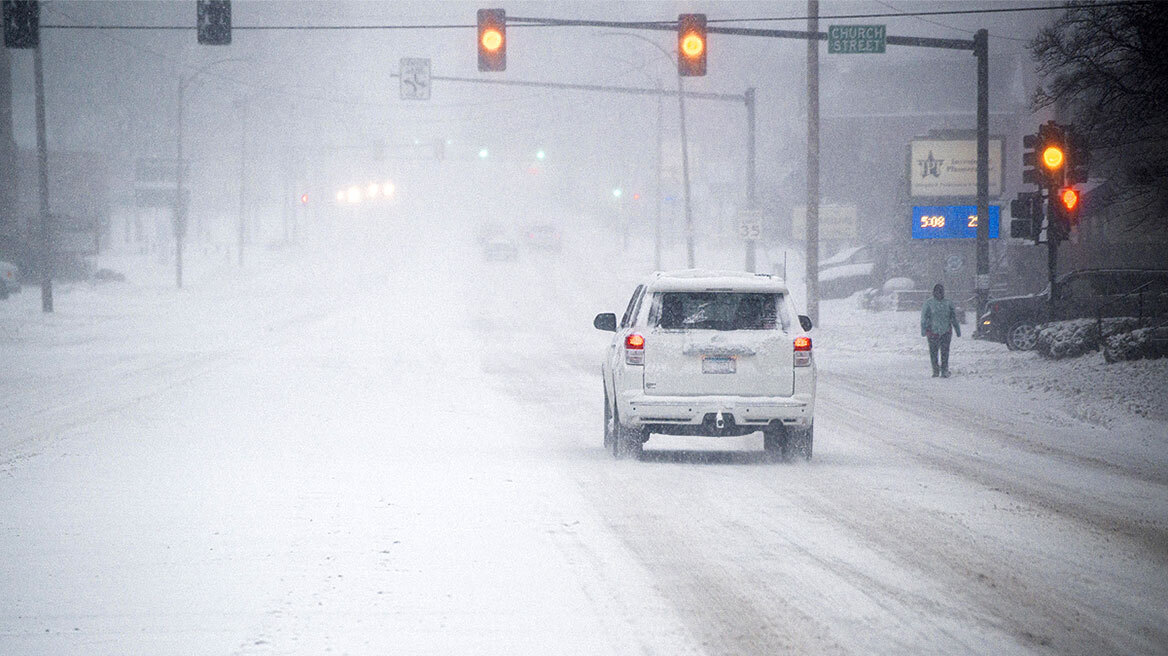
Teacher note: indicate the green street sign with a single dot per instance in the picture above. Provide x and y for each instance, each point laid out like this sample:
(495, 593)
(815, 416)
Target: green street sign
(856, 39)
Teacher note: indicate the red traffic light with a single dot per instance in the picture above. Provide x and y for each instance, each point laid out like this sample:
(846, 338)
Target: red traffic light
(303, 199)
(492, 43)
(691, 45)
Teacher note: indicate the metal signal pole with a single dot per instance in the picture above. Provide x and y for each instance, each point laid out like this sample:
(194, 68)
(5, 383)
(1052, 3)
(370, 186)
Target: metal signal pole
(689, 228)
(751, 200)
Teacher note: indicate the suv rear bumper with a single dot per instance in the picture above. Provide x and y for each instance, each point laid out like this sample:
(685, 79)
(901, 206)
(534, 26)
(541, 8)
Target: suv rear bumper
(639, 409)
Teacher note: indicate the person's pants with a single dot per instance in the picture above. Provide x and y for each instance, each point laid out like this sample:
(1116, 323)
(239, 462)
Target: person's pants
(939, 343)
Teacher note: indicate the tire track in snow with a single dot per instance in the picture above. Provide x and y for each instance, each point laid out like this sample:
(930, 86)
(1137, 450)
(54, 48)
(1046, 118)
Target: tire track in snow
(993, 428)
(1007, 584)
(977, 463)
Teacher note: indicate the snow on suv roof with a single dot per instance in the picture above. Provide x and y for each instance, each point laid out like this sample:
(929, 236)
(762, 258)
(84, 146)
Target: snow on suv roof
(704, 279)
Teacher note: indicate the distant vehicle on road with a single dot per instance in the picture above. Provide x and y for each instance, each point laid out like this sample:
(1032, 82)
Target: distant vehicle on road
(543, 236)
(9, 279)
(488, 231)
(501, 249)
(709, 353)
(1088, 293)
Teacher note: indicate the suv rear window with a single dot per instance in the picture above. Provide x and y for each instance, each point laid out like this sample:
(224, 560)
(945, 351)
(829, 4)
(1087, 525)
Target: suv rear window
(718, 311)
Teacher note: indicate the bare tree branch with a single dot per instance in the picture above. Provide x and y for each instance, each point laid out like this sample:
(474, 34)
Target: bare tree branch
(1106, 71)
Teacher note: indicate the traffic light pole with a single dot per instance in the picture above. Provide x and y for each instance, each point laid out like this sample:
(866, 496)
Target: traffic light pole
(1052, 241)
(689, 227)
(751, 197)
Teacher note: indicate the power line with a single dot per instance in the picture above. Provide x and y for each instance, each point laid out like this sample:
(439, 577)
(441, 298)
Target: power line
(952, 12)
(950, 27)
(629, 24)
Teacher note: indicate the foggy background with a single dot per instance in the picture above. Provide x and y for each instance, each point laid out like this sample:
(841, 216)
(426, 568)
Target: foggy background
(322, 112)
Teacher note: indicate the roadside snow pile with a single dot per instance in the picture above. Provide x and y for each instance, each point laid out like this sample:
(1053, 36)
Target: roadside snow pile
(1069, 339)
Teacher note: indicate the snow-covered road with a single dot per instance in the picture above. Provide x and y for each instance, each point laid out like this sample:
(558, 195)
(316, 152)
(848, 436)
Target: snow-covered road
(402, 455)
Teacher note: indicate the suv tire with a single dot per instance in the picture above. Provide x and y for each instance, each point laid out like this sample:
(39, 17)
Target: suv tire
(608, 422)
(627, 442)
(1022, 336)
(774, 441)
(799, 443)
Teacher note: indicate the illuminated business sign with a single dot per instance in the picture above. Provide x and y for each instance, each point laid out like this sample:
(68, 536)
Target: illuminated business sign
(948, 168)
(951, 221)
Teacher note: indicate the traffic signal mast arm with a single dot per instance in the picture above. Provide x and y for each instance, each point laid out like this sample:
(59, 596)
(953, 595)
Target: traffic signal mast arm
(670, 26)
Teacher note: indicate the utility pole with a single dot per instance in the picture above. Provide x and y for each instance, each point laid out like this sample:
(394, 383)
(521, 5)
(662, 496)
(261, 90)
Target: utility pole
(751, 200)
(982, 286)
(812, 258)
(43, 179)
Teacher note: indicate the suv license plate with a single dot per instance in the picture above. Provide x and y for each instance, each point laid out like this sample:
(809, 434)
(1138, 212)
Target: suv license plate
(719, 365)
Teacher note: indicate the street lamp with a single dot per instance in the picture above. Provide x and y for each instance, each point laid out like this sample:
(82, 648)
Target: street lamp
(180, 209)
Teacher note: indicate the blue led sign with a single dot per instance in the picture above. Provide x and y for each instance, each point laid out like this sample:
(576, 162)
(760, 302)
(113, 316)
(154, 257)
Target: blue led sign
(951, 221)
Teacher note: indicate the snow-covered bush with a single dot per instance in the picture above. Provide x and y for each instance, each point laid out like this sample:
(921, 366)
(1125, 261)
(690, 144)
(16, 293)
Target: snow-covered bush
(1068, 339)
(1133, 345)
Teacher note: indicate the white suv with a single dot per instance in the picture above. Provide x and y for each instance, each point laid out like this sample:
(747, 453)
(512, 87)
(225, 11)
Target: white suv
(709, 353)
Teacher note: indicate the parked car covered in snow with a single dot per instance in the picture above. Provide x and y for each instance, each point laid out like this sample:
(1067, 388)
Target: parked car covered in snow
(849, 271)
(709, 353)
(1083, 294)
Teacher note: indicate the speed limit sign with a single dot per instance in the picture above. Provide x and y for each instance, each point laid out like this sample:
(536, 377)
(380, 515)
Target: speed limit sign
(750, 224)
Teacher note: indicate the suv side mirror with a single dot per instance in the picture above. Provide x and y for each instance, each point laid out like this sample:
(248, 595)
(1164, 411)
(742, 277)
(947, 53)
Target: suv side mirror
(605, 321)
(805, 322)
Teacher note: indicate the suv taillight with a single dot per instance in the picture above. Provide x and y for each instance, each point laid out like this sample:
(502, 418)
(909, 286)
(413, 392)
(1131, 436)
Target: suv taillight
(802, 351)
(634, 349)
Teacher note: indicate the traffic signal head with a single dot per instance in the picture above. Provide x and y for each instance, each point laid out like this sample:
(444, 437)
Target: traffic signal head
(691, 45)
(1046, 156)
(1026, 213)
(214, 22)
(1065, 205)
(21, 23)
(492, 42)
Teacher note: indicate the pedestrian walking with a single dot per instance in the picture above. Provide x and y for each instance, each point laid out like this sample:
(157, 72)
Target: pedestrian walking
(938, 323)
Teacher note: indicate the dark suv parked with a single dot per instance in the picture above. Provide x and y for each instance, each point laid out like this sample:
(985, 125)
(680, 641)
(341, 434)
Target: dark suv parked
(1081, 294)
